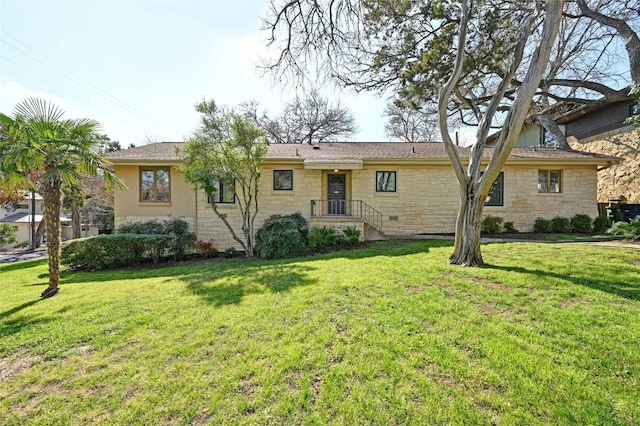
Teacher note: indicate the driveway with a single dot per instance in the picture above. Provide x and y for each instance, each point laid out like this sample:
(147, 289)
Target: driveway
(18, 256)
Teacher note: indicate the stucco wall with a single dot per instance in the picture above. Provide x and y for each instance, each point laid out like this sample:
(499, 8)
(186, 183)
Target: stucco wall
(129, 208)
(426, 200)
(619, 179)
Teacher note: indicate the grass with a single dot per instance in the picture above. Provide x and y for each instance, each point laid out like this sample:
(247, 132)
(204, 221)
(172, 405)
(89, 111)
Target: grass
(390, 334)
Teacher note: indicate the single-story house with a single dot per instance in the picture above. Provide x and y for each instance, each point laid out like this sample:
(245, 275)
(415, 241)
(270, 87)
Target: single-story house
(384, 189)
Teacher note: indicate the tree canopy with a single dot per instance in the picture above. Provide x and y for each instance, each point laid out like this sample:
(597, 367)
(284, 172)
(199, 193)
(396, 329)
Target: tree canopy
(225, 151)
(479, 61)
(37, 139)
(306, 119)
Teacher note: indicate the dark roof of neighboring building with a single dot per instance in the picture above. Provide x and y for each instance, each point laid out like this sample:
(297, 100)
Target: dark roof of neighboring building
(24, 217)
(165, 152)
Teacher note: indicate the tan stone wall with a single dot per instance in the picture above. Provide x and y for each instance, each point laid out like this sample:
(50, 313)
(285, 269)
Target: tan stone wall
(619, 179)
(426, 200)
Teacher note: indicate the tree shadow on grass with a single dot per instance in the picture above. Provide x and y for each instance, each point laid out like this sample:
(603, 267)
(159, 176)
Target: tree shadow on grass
(387, 248)
(16, 266)
(230, 285)
(18, 308)
(15, 325)
(627, 289)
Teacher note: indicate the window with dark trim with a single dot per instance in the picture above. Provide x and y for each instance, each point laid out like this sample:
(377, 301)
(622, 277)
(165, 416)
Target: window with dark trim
(283, 180)
(496, 193)
(155, 184)
(634, 109)
(549, 181)
(385, 181)
(225, 193)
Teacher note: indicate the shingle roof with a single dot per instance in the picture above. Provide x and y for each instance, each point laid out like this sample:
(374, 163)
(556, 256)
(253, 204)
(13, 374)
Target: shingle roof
(24, 217)
(357, 151)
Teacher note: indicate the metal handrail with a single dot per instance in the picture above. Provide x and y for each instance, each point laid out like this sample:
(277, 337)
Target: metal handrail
(351, 208)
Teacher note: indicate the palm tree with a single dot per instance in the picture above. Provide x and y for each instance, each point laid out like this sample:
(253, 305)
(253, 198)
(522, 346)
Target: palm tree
(37, 138)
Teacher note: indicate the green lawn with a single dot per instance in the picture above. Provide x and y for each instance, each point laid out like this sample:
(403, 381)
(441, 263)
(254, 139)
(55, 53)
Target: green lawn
(391, 334)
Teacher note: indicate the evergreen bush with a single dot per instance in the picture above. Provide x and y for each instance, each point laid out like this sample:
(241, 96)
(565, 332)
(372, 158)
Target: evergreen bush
(491, 225)
(324, 237)
(560, 225)
(113, 250)
(282, 236)
(581, 224)
(542, 226)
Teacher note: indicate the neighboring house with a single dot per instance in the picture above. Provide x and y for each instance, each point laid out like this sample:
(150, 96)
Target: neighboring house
(381, 188)
(599, 129)
(21, 218)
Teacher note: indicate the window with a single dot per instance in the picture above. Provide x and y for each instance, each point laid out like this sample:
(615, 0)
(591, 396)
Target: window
(496, 193)
(154, 184)
(634, 109)
(225, 193)
(283, 180)
(547, 139)
(385, 181)
(549, 181)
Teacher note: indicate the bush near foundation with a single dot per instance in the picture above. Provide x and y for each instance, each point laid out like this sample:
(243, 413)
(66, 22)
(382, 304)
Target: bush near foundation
(114, 250)
(177, 228)
(581, 224)
(282, 236)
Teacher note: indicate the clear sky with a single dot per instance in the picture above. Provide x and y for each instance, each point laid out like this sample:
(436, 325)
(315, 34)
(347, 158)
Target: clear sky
(138, 67)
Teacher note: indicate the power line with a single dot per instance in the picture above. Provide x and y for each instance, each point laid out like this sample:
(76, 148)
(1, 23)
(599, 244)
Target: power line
(79, 80)
(75, 96)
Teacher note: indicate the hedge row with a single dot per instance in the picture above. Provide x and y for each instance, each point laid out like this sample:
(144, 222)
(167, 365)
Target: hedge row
(109, 251)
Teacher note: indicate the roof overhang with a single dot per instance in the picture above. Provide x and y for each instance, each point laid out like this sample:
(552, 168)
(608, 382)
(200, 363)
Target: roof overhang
(320, 164)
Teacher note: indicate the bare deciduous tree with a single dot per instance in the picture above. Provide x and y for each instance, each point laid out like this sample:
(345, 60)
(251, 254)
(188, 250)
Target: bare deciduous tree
(309, 119)
(464, 54)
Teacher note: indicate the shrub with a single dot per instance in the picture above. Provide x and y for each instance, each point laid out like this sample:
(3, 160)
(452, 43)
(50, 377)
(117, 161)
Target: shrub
(176, 227)
(542, 226)
(323, 237)
(491, 224)
(581, 224)
(182, 238)
(206, 249)
(601, 223)
(228, 253)
(508, 227)
(352, 235)
(281, 236)
(7, 234)
(630, 230)
(112, 250)
(152, 226)
(22, 244)
(560, 225)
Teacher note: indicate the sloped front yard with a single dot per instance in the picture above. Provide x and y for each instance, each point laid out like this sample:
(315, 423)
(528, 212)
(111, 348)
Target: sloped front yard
(390, 334)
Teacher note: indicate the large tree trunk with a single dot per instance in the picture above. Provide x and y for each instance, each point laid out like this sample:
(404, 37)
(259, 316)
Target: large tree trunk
(75, 220)
(466, 251)
(550, 126)
(40, 232)
(52, 195)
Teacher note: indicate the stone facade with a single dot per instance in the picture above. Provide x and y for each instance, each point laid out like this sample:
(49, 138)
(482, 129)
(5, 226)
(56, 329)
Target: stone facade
(426, 199)
(622, 179)
(422, 198)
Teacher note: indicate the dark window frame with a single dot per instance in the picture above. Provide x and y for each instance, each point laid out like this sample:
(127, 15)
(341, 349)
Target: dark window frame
(290, 179)
(395, 181)
(633, 110)
(154, 189)
(220, 199)
(547, 188)
(498, 183)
